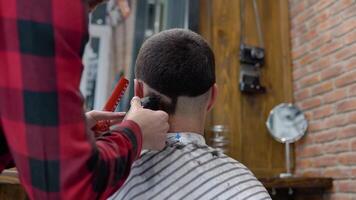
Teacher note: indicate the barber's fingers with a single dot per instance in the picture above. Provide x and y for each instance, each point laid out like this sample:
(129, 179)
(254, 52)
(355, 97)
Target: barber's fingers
(105, 115)
(124, 7)
(95, 116)
(116, 121)
(136, 103)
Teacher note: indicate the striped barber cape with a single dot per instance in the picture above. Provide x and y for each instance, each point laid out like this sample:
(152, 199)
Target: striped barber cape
(189, 169)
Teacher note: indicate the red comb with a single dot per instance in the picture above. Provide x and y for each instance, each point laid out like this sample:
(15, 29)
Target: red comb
(116, 95)
(112, 103)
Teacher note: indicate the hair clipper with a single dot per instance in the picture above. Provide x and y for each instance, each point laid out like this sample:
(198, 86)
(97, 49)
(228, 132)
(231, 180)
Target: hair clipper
(150, 102)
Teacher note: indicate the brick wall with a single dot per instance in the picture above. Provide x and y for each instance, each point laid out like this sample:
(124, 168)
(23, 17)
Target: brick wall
(323, 38)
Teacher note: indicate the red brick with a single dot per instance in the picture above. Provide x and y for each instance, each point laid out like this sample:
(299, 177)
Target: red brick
(298, 31)
(297, 8)
(310, 80)
(293, 3)
(335, 121)
(308, 36)
(346, 186)
(310, 103)
(323, 111)
(300, 19)
(310, 151)
(297, 53)
(322, 88)
(321, 63)
(310, 3)
(308, 58)
(337, 146)
(295, 42)
(352, 90)
(353, 144)
(296, 35)
(296, 86)
(347, 158)
(315, 126)
(346, 79)
(352, 118)
(349, 12)
(318, 18)
(336, 173)
(351, 65)
(330, 47)
(331, 72)
(324, 161)
(334, 96)
(325, 136)
(297, 65)
(302, 94)
(345, 53)
(341, 5)
(322, 4)
(347, 105)
(319, 41)
(338, 196)
(330, 23)
(347, 132)
(305, 163)
(353, 172)
(350, 38)
(345, 27)
(298, 73)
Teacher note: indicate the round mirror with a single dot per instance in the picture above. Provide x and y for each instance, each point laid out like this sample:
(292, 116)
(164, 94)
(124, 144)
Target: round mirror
(286, 123)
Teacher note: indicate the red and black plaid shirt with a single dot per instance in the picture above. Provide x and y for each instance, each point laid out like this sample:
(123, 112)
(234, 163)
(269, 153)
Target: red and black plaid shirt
(42, 124)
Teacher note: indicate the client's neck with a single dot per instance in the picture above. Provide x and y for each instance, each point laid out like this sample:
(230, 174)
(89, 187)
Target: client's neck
(186, 123)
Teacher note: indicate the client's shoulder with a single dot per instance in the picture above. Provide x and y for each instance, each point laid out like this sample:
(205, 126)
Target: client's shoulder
(223, 158)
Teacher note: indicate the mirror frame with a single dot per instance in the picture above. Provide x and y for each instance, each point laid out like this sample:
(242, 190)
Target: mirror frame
(300, 135)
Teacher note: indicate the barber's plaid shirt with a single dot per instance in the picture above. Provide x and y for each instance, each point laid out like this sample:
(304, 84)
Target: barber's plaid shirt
(42, 124)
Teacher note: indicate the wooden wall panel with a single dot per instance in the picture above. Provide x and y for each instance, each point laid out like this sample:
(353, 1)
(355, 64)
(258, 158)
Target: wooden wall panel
(245, 115)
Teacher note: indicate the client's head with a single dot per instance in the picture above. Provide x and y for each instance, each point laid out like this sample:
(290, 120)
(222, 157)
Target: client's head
(178, 66)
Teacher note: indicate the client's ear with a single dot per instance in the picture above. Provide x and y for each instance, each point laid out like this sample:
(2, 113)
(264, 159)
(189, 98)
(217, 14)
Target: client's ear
(138, 88)
(212, 98)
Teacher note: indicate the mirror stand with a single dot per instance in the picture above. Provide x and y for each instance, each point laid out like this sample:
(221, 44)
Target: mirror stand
(288, 173)
(286, 124)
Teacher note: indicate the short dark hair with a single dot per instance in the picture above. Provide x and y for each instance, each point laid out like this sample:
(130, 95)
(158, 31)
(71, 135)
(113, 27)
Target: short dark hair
(176, 62)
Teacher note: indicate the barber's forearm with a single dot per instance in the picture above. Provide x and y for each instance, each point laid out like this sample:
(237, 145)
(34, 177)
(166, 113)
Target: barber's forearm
(116, 153)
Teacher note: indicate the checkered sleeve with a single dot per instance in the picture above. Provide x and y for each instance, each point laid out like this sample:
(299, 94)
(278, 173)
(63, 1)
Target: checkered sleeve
(41, 108)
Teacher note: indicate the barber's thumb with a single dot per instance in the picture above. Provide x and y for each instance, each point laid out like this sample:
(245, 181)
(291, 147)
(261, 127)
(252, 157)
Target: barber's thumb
(136, 103)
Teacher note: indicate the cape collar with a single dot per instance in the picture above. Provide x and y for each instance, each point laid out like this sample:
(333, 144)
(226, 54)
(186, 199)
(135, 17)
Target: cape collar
(184, 138)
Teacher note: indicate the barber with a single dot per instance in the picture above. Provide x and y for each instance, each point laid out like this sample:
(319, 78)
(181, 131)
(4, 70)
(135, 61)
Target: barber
(43, 129)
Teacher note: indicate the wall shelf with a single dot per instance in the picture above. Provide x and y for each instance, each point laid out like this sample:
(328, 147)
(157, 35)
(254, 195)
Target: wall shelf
(297, 182)
(296, 188)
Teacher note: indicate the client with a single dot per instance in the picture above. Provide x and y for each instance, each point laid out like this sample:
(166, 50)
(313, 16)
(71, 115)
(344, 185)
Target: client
(177, 67)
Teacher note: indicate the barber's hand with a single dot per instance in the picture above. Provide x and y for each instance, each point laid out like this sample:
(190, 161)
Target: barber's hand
(153, 124)
(122, 4)
(95, 116)
(124, 8)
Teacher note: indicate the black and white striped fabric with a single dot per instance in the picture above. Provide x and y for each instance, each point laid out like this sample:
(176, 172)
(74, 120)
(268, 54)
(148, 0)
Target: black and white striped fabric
(189, 169)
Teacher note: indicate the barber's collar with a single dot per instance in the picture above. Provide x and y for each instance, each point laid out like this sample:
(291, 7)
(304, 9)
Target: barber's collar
(184, 138)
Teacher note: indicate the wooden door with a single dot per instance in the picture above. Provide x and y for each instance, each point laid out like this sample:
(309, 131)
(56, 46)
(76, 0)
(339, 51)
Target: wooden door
(245, 115)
